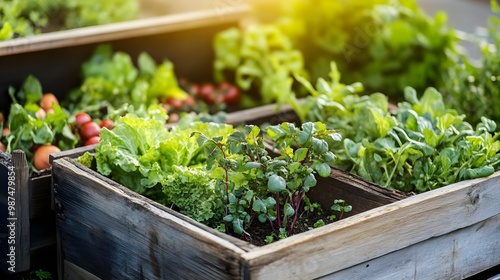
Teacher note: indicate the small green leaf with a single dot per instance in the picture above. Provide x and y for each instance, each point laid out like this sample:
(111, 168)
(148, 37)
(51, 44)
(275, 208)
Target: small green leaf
(276, 184)
(229, 218)
(43, 135)
(252, 164)
(300, 154)
(319, 145)
(275, 131)
(303, 137)
(310, 181)
(288, 210)
(259, 206)
(232, 198)
(238, 226)
(262, 218)
(323, 169)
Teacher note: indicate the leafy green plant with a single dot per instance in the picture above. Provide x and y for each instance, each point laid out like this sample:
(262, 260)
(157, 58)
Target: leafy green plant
(40, 274)
(219, 175)
(339, 206)
(474, 88)
(387, 45)
(28, 129)
(422, 146)
(21, 18)
(269, 189)
(111, 79)
(258, 57)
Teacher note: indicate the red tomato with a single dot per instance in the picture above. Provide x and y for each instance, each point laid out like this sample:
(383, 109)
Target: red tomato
(82, 118)
(92, 140)
(189, 101)
(107, 123)
(207, 93)
(175, 103)
(231, 95)
(41, 156)
(89, 130)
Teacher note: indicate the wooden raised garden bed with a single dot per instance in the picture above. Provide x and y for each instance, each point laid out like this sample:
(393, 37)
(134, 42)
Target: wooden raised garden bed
(168, 37)
(442, 234)
(134, 237)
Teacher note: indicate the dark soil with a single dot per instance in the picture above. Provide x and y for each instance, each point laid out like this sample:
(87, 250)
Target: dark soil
(259, 231)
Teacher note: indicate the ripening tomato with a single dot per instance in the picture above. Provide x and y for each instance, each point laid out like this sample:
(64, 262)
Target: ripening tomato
(89, 130)
(207, 93)
(231, 95)
(41, 156)
(82, 118)
(48, 100)
(175, 103)
(3, 148)
(189, 101)
(2, 118)
(92, 140)
(107, 123)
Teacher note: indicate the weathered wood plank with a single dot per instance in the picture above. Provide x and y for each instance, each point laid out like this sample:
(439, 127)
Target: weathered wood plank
(364, 195)
(456, 255)
(263, 114)
(134, 237)
(40, 200)
(377, 232)
(74, 272)
(121, 30)
(21, 221)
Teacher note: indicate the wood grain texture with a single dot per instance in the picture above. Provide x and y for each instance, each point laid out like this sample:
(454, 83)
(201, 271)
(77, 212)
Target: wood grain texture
(40, 199)
(121, 30)
(378, 232)
(456, 255)
(5, 162)
(22, 210)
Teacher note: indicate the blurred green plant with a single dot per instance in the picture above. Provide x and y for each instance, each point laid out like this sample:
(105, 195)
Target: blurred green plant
(384, 44)
(474, 88)
(21, 18)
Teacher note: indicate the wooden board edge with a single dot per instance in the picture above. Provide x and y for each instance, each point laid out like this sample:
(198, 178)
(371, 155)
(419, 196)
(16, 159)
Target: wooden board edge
(457, 255)
(121, 30)
(190, 225)
(73, 272)
(384, 229)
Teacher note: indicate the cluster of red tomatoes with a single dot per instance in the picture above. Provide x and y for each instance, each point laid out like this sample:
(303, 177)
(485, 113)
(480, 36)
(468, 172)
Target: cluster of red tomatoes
(90, 130)
(216, 97)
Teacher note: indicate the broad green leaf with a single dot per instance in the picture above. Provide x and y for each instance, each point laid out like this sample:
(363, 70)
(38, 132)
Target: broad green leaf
(275, 131)
(288, 210)
(319, 145)
(310, 181)
(300, 154)
(252, 164)
(276, 184)
(323, 169)
(259, 206)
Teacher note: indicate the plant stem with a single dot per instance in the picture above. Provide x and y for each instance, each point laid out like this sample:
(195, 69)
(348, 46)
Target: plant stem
(278, 212)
